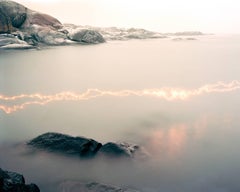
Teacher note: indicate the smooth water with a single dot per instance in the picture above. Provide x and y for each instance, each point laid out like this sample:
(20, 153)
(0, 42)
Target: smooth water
(192, 143)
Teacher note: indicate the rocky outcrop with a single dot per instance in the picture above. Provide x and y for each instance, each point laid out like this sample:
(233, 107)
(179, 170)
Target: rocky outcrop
(16, 16)
(114, 33)
(12, 15)
(38, 29)
(85, 148)
(14, 182)
(55, 142)
(76, 186)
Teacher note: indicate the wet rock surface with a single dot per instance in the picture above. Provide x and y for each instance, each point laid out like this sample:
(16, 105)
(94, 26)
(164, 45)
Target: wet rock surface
(14, 182)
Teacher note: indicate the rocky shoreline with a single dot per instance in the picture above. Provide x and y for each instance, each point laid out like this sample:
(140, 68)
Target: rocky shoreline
(23, 28)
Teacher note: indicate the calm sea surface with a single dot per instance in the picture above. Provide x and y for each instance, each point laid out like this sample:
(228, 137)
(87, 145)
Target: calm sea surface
(193, 144)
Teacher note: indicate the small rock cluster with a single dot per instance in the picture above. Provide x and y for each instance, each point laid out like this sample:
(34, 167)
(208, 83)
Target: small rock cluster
(84, 147)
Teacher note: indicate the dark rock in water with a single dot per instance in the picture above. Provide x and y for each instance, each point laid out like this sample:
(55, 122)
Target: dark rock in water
(15, 177)
(55, 142)
(115, 150)
(85, 148)
(119, 149)
(87, 36)
(32, 188)
(76, 186)
(14, 182)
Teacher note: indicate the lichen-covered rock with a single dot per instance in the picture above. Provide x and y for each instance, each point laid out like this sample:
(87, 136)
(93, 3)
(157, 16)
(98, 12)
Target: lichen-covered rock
(77, 146)
(87, 36)
(14, 182)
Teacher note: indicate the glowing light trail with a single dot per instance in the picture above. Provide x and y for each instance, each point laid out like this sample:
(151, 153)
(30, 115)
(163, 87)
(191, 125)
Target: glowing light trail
(19, 102)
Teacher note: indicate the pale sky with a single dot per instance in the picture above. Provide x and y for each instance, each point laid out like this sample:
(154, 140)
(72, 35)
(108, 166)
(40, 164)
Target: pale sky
(211, 16)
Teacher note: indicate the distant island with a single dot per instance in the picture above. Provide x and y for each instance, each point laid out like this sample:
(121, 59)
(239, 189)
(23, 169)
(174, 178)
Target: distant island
(23, 28)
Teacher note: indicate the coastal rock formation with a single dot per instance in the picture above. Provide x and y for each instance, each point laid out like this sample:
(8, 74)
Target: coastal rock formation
(14, 182)
(9, 41)
(15, 16)
(85, 148)
(38, 29)
(55, 142)
(114, 33)
(12, 15)
(76, 186)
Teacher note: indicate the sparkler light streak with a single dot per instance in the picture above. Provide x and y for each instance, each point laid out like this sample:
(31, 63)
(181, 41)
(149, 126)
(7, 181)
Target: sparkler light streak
(10, 104)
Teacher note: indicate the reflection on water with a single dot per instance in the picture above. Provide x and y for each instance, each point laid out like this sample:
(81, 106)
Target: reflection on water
(193, 144)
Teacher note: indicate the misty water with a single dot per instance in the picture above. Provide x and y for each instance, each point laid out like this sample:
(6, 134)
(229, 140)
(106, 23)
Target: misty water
(193, 144)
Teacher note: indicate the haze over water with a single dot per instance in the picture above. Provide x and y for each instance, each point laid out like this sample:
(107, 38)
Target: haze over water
(192, 143)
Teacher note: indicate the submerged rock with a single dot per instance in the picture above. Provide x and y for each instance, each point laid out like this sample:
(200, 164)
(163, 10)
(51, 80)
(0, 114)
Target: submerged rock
(55, 142)
(14, 182)
(77, 186)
